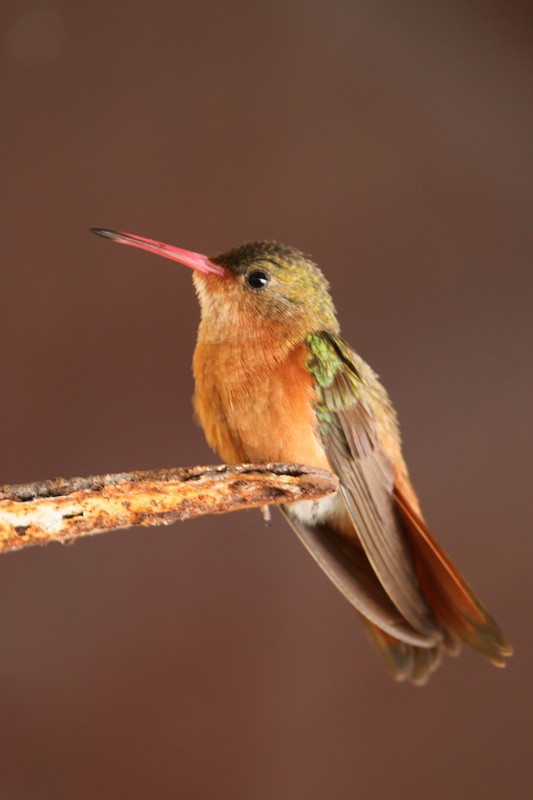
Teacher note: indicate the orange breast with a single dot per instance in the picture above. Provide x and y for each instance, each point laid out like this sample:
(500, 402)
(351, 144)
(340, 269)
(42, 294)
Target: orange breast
(255, 403)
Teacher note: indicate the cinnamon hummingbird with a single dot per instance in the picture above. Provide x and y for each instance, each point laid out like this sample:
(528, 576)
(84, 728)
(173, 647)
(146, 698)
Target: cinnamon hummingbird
(276, 382)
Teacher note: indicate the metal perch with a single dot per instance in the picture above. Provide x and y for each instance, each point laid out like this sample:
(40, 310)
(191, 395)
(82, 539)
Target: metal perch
(64, 509)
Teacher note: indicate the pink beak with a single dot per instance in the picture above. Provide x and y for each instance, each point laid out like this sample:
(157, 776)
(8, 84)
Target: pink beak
(193, 260)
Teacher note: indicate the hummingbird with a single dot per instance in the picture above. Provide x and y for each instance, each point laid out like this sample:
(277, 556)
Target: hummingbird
(276, 382)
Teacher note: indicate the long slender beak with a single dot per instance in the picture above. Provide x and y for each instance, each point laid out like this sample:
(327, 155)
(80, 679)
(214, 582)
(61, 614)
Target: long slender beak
(193, 260)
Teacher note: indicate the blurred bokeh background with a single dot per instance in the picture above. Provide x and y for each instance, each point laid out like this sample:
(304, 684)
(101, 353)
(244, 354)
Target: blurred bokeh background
(391, 141)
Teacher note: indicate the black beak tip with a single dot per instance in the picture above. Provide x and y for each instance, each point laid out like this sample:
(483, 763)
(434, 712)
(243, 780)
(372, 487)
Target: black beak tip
(103, 232)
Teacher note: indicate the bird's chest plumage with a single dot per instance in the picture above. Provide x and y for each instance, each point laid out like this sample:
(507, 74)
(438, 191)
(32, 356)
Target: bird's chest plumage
(256, 402)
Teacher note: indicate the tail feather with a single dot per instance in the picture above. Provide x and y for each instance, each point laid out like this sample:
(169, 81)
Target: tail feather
(405, 662)
(453, 603)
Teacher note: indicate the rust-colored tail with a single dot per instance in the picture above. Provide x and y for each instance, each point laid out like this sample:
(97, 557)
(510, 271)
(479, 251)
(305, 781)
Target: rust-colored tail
(453, 603)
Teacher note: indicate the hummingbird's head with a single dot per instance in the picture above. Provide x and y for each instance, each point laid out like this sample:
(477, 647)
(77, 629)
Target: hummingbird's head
(262, 282)
(268, 282)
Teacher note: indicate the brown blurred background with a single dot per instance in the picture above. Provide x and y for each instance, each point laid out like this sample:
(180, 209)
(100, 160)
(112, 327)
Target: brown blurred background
(391, 141)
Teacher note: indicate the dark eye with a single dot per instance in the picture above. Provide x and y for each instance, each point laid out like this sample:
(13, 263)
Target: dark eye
(257, 279)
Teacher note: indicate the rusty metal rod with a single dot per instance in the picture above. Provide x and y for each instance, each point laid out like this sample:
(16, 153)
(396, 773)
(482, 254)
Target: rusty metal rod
(64, 509)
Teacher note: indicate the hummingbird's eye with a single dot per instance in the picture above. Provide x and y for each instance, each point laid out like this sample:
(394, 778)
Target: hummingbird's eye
(257, 279)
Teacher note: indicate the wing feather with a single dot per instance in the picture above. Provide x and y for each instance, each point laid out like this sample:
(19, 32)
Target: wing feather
(366, 480)
(350, 571)
(359, 433)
